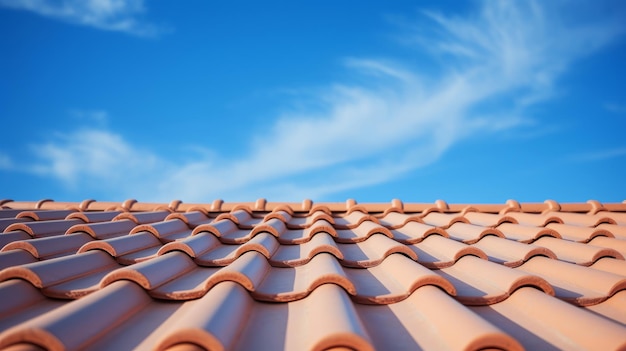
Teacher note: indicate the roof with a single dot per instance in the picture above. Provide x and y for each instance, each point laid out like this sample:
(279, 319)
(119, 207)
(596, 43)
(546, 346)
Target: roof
(297, 276)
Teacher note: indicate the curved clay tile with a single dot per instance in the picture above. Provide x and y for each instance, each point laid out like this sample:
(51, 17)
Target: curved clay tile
(297, 255)
(152, 273)
(534, 219)
(64, 268)
(480, 282)
(353, 220)
(362, 232)
(322, 208)
(469, 233)
(64, 328)
(618, 231)
(394, 220)
(44, 248)
(7, 238)
(194, 246)
(45, 215)
(103, 230)
(579, 234)
(223, 255)
(511, 253)
(372, 251)
(305, 222)
(563, 326)
(488, 219)
(618, 217)
(143, 217)
(610, 265)
(436, 252)
(248, 270)
(165, 231)
(576, 284)
(191, 219)
(524, 233)
(290, 284)
(93, 217)
(610, 243)
(443, 220)
(225, 308)
(217, 228)
(613, 308)
(123, 245)
(356, 207)
(15, 258)
(299, 236)
(282, 216)
(44, 228)
(414, 232)
(273, 226)
(393, 280)
(430, 308)
(582, 254)
(583, 220)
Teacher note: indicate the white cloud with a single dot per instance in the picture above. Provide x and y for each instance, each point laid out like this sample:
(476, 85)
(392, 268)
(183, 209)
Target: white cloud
(511, 52)
(113, 15)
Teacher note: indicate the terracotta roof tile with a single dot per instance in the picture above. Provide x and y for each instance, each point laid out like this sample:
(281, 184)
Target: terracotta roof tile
(264, 275)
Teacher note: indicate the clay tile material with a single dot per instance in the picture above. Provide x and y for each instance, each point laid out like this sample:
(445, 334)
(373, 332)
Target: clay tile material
(224, 310)
(512, 253)
(51, 246)
(414, 232)
(488, 219)
(305, 222)
(101, 312)
(562, 325)
(524, 233)
(166, 231)
(576, 233)
(297, 255)
(104, 230)
(437, 252)
(193, 246)
(394, 220)
(45, 228)
(443, 220)
(372, 251)
(573, 283)
(480, 282)
(45, 215)
(452, 325)
(360, 233)
(153, 273)
(578, 253)
(93, 217)
(143, 217)
(353, 220)
(292, 276)
(58, 270)
(124, 245)
(535, 219)
(469, 233)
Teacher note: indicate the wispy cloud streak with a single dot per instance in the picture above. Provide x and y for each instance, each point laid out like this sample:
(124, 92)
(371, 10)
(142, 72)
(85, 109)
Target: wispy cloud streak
(510, 52)
(112, 15)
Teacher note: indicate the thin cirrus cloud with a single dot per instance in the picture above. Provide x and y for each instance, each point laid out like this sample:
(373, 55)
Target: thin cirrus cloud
(111, 15)
(511, 52)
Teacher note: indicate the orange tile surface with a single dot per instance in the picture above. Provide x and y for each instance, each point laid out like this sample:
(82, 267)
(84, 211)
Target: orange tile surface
(312, 276)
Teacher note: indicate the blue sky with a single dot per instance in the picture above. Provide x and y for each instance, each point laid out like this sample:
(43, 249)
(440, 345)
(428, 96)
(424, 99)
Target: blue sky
(470, 102)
